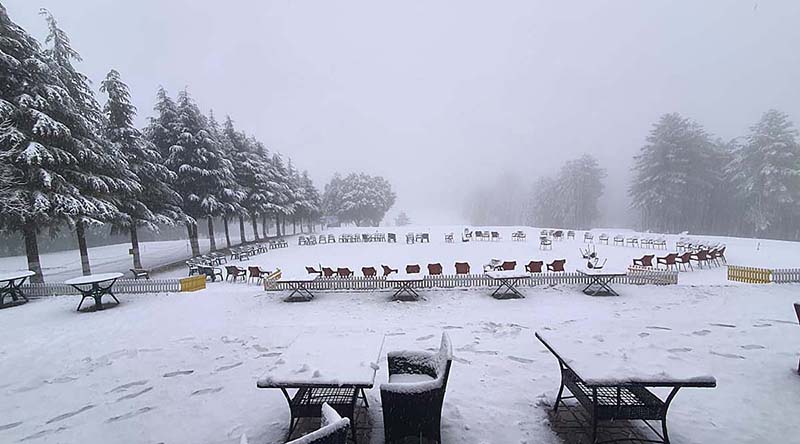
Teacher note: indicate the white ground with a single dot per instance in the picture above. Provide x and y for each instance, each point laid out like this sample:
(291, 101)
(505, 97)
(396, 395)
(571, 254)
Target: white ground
(183, 367)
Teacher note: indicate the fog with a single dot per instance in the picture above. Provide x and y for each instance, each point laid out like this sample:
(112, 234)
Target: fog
(440, 97)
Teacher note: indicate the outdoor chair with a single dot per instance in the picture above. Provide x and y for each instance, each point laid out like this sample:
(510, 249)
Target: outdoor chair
(344, 272)
(369, 271)
(660, 244)
(328, 272)
(509, 265)
(462, 268)
(534, 266)
(343, 238)
(388, 270)
(410, 238)
(668, 261)
(588, 237)
(632, 241)
(333, 429)
(220, 257)
(235, 273)
(485, 236)
(192, 267)
(331, 239)
(256, 273)
(478, 235)
(210, 272)
(558, 235)
(570, 234)
(556, 265)
(646, 243)
(140, 273)
(619, 240)
(545, 243)
(312, 270)
(495, 236)
(391, 238)
(720, 255)
(425, 237)
(603, 239)
(701, 257)
(301, 240)
(448, 238)
(366, 238)
(684, 260)
(411, 269)
(412, 399)
(323, 239)
(435, 269)
(466, 236)
(644, 261)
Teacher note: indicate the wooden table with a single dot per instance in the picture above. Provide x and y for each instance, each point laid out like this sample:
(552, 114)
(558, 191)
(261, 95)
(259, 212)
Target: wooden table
(95, 286)
(13, 287)
(333, 369)
(404, 285)
(299, 285)
(507, 281)
(599, 282)
(616, 386)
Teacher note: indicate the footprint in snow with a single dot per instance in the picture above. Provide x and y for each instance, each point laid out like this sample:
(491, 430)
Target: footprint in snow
(41, 433)
(657, 327)
(269, 355)
(424, 338)
(129, 414)
(70, 414)
(134, 395)
(702, 332)
(127, 386)
(728, 355)
(61, 380)
(644, 334)
(206, 391)
(395, 334)
(679, 350)
(10, 425)
(765, 324)
(753, 347)
(228, 367)
(717, 324)
(260, 349)
(450, 327)
(455, 358)
(599, 338)
(521, 360)
(178, 373)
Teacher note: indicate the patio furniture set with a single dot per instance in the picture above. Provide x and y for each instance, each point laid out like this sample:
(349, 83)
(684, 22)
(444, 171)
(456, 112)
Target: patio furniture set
(703, 258)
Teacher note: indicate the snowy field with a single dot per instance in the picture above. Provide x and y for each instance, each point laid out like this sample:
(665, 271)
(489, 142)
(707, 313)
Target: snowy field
(182, 368)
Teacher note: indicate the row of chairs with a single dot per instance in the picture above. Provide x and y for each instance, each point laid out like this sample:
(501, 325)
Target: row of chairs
(557, 234)
(364, 237)
(235, 273)
(482, 235)
(676, 261)
(634, 241)
(435, 269)
(418, 238)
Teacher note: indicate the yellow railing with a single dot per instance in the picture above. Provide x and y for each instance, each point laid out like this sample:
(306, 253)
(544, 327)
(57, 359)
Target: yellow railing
(193, 283)
(750, 275)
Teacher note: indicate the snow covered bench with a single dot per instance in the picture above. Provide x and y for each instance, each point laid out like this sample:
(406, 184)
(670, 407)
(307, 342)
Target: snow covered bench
(610, 390)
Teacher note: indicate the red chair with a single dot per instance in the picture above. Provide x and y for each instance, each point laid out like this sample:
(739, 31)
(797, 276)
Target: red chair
(668, 261)
(534, 267)
(462, 268)
(556, 265)
(344, 272)
(684, 260)
(411, 269)
(388, 270)
(435, 269)
(509, 265)
(311, 270)
(645, 261)
(369, 271)
(256, 273)
(328, 272)
(701, 257)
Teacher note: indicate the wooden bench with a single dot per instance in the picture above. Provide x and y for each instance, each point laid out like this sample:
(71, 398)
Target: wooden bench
(621, 398)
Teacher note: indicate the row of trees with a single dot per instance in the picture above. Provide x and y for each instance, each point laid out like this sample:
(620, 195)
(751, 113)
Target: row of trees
(687, 181)
(358, 198)
(67, 161)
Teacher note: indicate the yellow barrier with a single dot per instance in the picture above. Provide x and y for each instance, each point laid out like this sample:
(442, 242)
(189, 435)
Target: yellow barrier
(750, 275)
(272, 279)
(193, 283)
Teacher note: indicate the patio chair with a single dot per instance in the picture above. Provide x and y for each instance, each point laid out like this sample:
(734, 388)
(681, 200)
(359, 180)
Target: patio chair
(301, 240)
(534, 266)
(558, 235)
(545, 243)
(668, 261)
(644, 261)
(435, 269)
(683, 260)
(720, 255)
(588, 237)
(140, 273)
(556, 265)
(646, 243)
(425, 237)
(323, 239)
(478, 235)
(411, 269)
(619, 240)
(256, 273)
(495, 236)
(466, 236)
(660, 244)
(448, 238)
(462, 268)
(328, 272)
(603, 239)
(391, 238)
(312, 270)
(333, 429)
(509, 265)
(632, 241)
(331, 239)
(369, 271)
(412, 399)
(235, 273)
(192, 267)
(701, 257)
(388, 270)
(344, 272)
(570, 234)
(410, 239)
(210, 272)
(366, 238)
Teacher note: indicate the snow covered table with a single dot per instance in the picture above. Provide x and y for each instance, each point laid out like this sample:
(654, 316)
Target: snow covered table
(333, 369)
(507, 282)
(404, 285)
(615, 387)
(95, 286)
(599, 281)
(298, 283)
(11, 285)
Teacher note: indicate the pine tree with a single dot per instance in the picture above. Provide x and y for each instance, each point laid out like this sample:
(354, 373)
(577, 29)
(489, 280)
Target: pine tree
(158, 203)
(578, 189)
(402, 219)
(358, 198)
(277, 186)
(104, 177)
(312, 206)
(249, 172)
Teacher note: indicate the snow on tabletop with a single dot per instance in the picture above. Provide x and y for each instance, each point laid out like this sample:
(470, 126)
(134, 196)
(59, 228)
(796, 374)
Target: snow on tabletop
(405, 277)
(15, 275)
(93, 278)
(338, 359)
(606, 363)
(298, 277)
(602, 272)
(507, 274)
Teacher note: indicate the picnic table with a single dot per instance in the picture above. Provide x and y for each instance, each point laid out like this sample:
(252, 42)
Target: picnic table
(404, 285)
(299, 283)
(615, 386)
(600, 281)
(11, 285)
(95, 286)
(334, 370)
(507, 281)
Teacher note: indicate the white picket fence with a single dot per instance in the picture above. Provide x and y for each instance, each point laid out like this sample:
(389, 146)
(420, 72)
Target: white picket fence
(122, 286)
(786, 275)
(649, 277)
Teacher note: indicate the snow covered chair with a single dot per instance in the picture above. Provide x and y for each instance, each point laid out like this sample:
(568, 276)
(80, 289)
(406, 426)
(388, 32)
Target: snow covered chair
(588, 236)
(328, 272)
(556, 265)
(534, 266)
(495, 235)
(644, 261)
(571, 235)
(344, 272)
(412, 399)
(603, 239)
(391, 238)
(333, 429)
(509, 265)
(234, 273)
(668, 261)
(545, 243)
(618, 240)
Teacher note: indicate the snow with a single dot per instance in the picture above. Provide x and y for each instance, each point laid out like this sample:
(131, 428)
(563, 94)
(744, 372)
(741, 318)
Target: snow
(507, 274)
(330, 423)
(409, 378)
(184, 367)
(4, 277)
(93, 278)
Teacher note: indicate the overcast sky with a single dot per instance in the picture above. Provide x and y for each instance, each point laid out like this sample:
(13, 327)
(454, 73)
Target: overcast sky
(441, 96)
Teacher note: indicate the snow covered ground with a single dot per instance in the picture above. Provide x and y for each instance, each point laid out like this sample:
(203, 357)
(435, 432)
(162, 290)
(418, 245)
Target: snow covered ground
(183, 367)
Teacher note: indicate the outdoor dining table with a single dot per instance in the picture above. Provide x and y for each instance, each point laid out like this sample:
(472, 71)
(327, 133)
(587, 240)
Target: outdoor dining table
(333, 369)
(299, 285)
(507, 281)
(95, 286)
(600, 281)
(404, 285)
(11, 285)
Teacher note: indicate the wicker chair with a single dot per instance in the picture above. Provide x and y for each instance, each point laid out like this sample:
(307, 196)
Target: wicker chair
(387, 270)
(344, 272)
(534, 266)
(411, 269)
(462, 267)
(333, 429)
(556, 265)
(412, 399)
(435, 269)
(369, 271)
(645, 261)
(509, 265)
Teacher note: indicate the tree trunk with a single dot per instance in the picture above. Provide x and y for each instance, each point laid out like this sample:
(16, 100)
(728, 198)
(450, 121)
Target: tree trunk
(294, 225)
(283, 225)
(211, 240)
(254, 220)
(242, 234)
(192, 229)
(137, 259)
(79, 231)
(227, 231)
(278, 225)
(32, 251)
(264, 225)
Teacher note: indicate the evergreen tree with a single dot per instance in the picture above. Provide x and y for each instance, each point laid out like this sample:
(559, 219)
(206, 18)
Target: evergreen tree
(158, 204)
(579, 187)
(358, 198)
(236, 192)
(249, 171)
(402, 219)
(766, 170)
(281, 199)
(311, 206)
